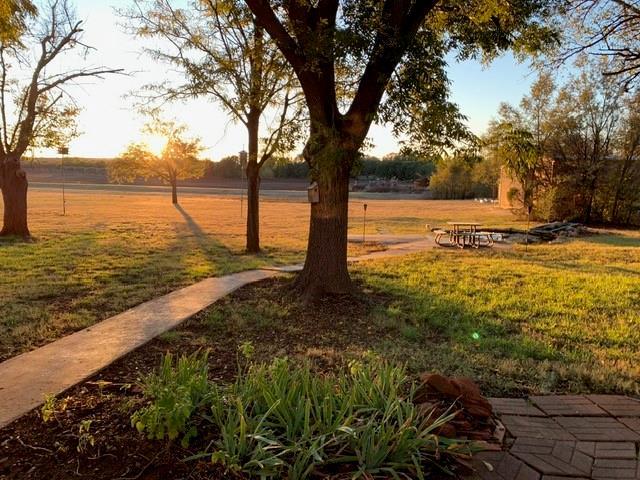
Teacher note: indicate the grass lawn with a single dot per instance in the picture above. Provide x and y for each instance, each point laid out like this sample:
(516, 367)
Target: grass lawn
(560, 318)
(115, 250)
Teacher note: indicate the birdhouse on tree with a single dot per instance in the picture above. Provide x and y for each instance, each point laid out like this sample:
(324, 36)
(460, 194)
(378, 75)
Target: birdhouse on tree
(313, 193)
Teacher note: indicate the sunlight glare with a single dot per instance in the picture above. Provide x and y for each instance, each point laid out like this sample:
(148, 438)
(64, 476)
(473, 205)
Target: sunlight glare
(156, 143)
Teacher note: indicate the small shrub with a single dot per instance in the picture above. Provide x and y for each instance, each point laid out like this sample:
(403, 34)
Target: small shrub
(51, 406)
(85, 438)
(285, 421)
(280, 421)
(176, 391)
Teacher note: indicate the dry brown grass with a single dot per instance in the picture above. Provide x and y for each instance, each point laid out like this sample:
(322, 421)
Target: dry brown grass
(284, 223)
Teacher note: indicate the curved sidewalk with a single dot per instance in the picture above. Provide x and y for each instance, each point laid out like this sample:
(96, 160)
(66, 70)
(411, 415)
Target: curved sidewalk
(52, 369)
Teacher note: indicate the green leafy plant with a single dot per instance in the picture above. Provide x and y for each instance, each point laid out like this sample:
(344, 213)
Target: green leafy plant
(51, 406)
(85, 438)
(281, 421)
(176, 391)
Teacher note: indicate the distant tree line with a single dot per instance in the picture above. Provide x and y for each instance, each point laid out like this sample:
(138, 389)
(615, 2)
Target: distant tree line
(405, 167)
(462, 176)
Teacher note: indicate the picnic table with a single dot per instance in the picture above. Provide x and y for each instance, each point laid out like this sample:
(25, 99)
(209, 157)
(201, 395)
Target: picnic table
(463, 234)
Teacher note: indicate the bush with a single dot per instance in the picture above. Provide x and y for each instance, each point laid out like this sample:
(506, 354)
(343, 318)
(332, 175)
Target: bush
(463, 177)
(175, 393)
(285, 421)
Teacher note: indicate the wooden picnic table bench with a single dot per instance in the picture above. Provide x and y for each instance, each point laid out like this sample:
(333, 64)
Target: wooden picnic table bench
(463, 234)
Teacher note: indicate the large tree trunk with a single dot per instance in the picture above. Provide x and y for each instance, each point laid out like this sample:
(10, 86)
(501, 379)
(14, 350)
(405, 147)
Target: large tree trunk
(13, 181)
(325, 268)
(253, 208)
(253, 185)
(174, 192)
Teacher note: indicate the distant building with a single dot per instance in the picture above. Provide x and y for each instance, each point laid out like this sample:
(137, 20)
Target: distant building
(507, 185)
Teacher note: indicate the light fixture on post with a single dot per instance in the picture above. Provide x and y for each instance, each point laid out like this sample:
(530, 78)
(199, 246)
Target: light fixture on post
(62, 151)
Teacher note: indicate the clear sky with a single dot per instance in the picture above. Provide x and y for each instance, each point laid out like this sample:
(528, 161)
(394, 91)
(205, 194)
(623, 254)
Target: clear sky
(108, 122)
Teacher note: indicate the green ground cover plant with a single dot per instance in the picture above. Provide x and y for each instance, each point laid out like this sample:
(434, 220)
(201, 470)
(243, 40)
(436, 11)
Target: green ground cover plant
(282, 420)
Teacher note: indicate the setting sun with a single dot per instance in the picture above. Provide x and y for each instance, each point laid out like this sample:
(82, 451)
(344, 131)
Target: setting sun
(156, 143)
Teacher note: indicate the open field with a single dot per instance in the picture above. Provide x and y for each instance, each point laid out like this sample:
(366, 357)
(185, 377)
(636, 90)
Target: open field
(114, 250)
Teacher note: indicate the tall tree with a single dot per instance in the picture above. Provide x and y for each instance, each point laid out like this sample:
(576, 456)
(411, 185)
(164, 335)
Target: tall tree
(223, 54)
(625, 176)
(518, 151)
(584, 124)
(13, 16)
(179, 159)
(609, 28)
(361, 59)
(31, 109)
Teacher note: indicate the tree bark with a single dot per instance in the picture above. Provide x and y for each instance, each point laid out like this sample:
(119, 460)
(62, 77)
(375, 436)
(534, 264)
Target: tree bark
(253, 184)
(14, 196)
(253, 208)
(174, 192)
(325, 269)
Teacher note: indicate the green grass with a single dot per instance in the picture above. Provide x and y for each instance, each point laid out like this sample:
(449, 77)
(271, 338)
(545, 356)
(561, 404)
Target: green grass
(65, 282)
(558, 318)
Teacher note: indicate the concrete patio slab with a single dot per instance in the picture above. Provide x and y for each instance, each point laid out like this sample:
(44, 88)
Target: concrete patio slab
(515, 406)
(569, 405)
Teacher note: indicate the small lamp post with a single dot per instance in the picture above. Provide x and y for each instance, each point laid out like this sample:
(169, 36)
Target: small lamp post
(62, 151)
(243, 165)
(364, 223)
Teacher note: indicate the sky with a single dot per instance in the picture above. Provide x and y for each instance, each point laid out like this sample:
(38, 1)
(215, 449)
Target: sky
(108, 122)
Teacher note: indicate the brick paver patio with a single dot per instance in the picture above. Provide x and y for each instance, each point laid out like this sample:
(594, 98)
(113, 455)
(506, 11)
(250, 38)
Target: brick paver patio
(565, 437)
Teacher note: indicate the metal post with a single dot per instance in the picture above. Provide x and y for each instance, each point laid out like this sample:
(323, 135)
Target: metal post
(243, 164)
(63, 151)
(364, 223)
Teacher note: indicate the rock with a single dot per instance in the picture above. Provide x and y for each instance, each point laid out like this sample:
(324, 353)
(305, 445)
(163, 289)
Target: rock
(440, 384)
(466, 387)
(447, 430)
(477, 408)
(471, 398)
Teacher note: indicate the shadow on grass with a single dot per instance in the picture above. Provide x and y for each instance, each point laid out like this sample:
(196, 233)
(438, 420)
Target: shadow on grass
(613, 240)
(63, 284)
(574, 261)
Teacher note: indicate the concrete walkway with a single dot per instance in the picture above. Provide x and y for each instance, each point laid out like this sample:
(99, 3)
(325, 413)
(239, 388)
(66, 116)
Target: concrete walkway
(27, 378)
(52, 369)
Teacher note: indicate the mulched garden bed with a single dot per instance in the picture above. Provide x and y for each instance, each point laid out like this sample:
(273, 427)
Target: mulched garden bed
(109, 448)
(33, 449)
